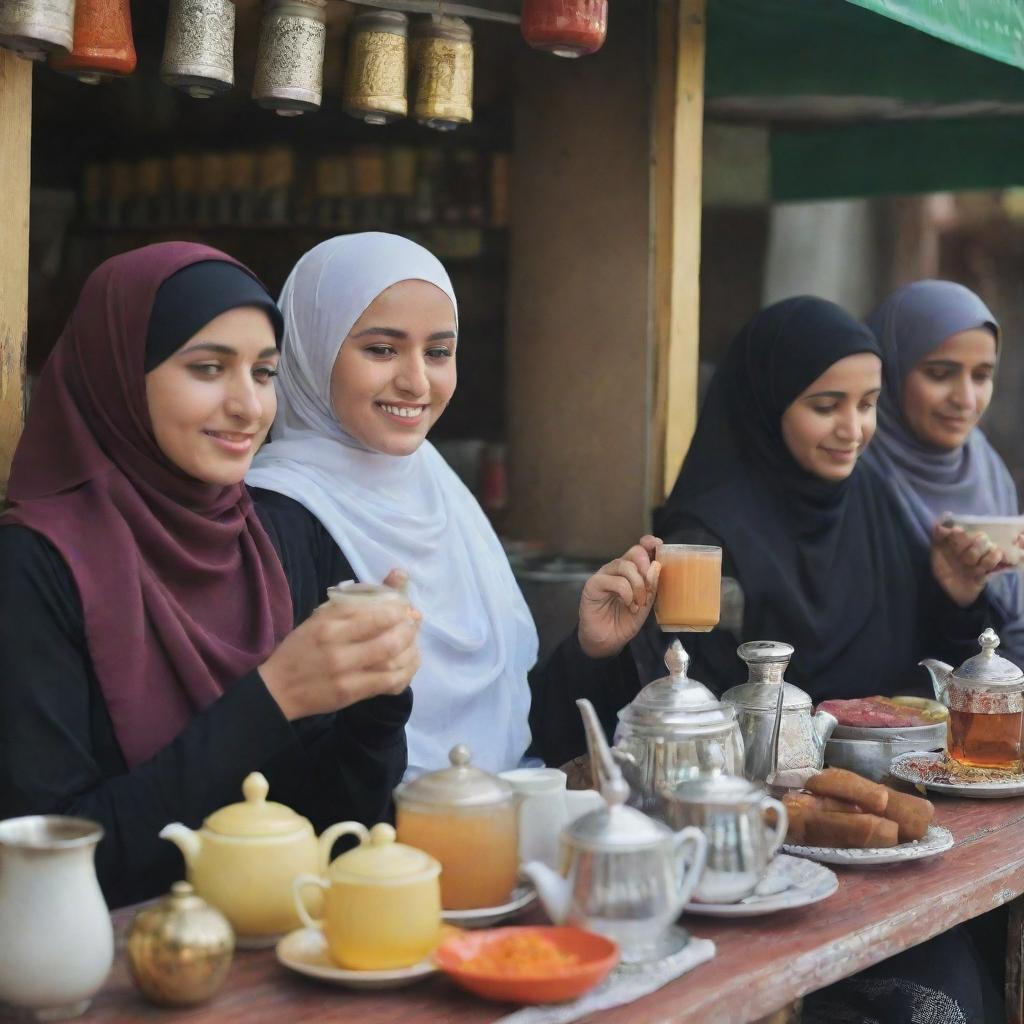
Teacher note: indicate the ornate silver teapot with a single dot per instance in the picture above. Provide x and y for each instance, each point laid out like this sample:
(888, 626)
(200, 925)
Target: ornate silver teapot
(675, 729)
(802, 733)
(623, 874)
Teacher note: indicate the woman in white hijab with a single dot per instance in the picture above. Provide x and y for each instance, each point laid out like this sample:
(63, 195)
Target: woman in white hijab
(351, 487)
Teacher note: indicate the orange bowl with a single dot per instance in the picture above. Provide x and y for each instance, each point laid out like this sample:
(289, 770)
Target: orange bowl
(595, 956)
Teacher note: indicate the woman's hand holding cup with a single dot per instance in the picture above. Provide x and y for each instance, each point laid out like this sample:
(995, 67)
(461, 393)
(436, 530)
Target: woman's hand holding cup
(345, 652)
(962, 561)
(617, 599)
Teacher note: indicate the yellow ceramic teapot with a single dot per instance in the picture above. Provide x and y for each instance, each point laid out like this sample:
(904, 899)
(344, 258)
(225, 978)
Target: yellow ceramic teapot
(383, 902)
(245, 856)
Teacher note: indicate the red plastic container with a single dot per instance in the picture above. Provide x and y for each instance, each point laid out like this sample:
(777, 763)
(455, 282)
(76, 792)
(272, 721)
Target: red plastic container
(566, 28)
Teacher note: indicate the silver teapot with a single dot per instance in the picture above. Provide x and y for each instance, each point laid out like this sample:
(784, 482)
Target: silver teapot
(673, 730)
(623, 874)
(802, 734)
(731, 812)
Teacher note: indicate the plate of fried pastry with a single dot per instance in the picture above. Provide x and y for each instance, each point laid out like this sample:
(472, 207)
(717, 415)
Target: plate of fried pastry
(842, 818)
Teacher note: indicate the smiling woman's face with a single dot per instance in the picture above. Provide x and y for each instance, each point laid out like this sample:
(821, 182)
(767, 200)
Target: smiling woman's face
(212, 402)
(395, 373)
(829, 423)
(945, 395)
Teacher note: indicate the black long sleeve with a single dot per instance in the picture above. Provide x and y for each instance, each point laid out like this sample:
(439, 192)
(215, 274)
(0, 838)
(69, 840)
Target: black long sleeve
(59, 754)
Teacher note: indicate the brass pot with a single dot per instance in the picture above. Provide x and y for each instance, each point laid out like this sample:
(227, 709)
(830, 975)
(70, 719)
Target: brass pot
(441, 54)
(377, 64)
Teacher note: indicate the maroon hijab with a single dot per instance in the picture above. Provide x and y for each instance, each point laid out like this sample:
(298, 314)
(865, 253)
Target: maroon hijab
(181, 589)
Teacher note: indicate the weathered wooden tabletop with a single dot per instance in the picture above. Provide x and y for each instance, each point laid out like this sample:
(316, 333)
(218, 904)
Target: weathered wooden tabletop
(762, 963)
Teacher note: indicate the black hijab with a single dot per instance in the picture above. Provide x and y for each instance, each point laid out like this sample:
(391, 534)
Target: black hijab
(823, 566)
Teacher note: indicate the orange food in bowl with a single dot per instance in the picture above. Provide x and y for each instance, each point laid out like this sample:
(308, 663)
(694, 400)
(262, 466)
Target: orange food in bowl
(533, 964)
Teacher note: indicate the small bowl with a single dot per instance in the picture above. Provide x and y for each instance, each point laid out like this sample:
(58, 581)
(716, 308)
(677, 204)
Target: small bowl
(597, 956)
(1001, 530)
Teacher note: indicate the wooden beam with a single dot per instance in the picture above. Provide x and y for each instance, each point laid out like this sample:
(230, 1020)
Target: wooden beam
(678, 155)
(15, 179)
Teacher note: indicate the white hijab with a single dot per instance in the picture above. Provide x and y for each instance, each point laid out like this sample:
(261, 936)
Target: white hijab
(411, 512)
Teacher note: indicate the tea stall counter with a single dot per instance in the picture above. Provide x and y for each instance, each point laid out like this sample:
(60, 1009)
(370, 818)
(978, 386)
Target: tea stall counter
(762, 964)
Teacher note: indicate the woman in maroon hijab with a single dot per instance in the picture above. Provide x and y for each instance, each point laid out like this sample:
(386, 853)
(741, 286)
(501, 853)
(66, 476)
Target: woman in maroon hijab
(147, 658)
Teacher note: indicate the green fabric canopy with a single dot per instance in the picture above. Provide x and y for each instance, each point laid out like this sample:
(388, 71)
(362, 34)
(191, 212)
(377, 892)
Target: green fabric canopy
(866, 97)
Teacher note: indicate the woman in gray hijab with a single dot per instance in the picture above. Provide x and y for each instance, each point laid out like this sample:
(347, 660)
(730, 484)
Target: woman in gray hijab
(940, 345)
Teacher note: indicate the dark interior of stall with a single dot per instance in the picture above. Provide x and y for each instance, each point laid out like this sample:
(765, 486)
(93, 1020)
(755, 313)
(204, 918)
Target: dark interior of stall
(132, 161)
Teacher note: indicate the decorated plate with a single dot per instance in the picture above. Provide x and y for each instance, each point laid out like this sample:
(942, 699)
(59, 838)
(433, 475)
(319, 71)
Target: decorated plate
(789, 882)
(936, 840)
(941, 774)
(484, 917)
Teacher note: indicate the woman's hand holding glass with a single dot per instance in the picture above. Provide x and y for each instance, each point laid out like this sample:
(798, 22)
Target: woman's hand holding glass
(342, 654)
(617, 599)
(962, 562)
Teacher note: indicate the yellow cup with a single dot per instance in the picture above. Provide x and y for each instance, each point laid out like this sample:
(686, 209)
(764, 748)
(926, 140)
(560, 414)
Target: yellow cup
(383, 902)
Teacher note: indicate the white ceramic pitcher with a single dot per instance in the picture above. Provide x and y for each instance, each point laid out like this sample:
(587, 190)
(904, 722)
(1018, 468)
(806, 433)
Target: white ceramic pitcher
(55, 931)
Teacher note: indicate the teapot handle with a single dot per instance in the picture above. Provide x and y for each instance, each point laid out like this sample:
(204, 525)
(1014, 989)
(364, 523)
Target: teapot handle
(690, 836)
(334, 833)
(778, 834)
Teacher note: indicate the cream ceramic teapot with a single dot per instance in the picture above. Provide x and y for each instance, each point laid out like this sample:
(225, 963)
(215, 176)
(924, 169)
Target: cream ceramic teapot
(245, 858)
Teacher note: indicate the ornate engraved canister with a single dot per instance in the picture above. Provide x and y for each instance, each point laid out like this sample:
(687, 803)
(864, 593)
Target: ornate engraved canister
(441, 53)
(199, 49)
(290, 60)
(376, 72)
(34, 28)
(103, 42)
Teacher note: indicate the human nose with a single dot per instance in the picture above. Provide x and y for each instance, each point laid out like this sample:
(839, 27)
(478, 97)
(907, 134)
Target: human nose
(412, 376)
(848, 426)
(963, 393)
(242, 402)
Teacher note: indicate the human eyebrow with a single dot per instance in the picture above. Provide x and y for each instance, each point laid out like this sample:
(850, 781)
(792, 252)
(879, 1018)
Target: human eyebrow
(441, 336)
(268, 353)
(212, 346)
(387, 332)
(825, 394)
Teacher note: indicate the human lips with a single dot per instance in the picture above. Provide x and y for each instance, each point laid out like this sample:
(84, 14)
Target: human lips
(234, 442)
(954, 422)
(406, 413)
(841, 455)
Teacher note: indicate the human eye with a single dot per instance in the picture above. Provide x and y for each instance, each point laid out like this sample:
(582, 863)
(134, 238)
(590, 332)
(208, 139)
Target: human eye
(825, 410)
(440, 352)
(983, 376)
(868, 404)
(937, 373)
(264, 374)
(207, 368)
(380, 351)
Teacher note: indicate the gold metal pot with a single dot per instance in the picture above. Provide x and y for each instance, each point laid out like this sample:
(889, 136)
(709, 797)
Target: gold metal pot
(179, 950)
(376, 72)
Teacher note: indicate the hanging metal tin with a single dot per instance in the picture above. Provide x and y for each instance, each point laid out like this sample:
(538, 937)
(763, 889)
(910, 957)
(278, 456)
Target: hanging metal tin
(376, 72)
(104, 47)
(566, 28)
(34, 28)
(290, 60)
(199, 50)
(441, 52)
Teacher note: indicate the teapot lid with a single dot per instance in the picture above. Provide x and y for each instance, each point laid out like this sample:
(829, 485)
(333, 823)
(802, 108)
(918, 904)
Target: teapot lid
(461, 785)
(988, 668)
(715, 788)
(379, 858)
(677, 700)
(256, 815)
(766, 662)
(616, 827)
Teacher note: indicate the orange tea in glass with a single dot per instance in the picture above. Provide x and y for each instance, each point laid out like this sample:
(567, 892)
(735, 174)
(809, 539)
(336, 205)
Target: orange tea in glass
(689, 598)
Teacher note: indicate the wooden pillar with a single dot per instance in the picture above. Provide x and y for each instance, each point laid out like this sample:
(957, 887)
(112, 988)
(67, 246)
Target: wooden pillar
(15, 174)
(678, 154)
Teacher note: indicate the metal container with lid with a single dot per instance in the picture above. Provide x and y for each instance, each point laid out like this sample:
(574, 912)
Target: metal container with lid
(674, 729)
(376, 72)
(731, 812)
(624, 874)
(465, 818)
(985, 698)
(802, 733)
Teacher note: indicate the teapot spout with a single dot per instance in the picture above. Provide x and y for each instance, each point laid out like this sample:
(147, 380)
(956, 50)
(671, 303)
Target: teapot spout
(823, 724)
(185, 840)
(940, 673)
(552, 888)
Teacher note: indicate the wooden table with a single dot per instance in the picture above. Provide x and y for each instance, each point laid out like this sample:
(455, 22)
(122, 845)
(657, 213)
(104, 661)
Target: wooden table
(762, 965)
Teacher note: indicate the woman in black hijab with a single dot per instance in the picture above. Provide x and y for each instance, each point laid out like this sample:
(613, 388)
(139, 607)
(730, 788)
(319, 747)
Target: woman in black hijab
(822, 559)
(819, 551)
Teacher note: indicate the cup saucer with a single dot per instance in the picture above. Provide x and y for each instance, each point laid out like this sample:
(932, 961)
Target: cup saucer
(305, 951)
(483, 917)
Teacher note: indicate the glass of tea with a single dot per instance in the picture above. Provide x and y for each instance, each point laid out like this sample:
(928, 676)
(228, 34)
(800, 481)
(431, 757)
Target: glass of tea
(689, 598)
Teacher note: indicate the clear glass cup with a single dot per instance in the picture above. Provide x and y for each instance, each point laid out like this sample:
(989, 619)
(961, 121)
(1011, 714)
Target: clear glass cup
(689, 598)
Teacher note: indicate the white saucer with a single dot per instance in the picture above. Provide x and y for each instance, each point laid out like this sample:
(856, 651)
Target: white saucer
(789, 882)
(936, 840)
(305, 951)
(483, 917)
(913, 768)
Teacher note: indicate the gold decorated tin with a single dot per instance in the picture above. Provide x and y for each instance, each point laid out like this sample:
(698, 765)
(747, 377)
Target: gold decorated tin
(441, 54)
(377, 66)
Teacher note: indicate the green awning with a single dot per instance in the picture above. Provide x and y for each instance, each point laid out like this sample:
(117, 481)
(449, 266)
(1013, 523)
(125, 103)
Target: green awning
(867, 97)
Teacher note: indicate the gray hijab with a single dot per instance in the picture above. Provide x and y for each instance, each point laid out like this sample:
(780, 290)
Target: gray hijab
(927, 481)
